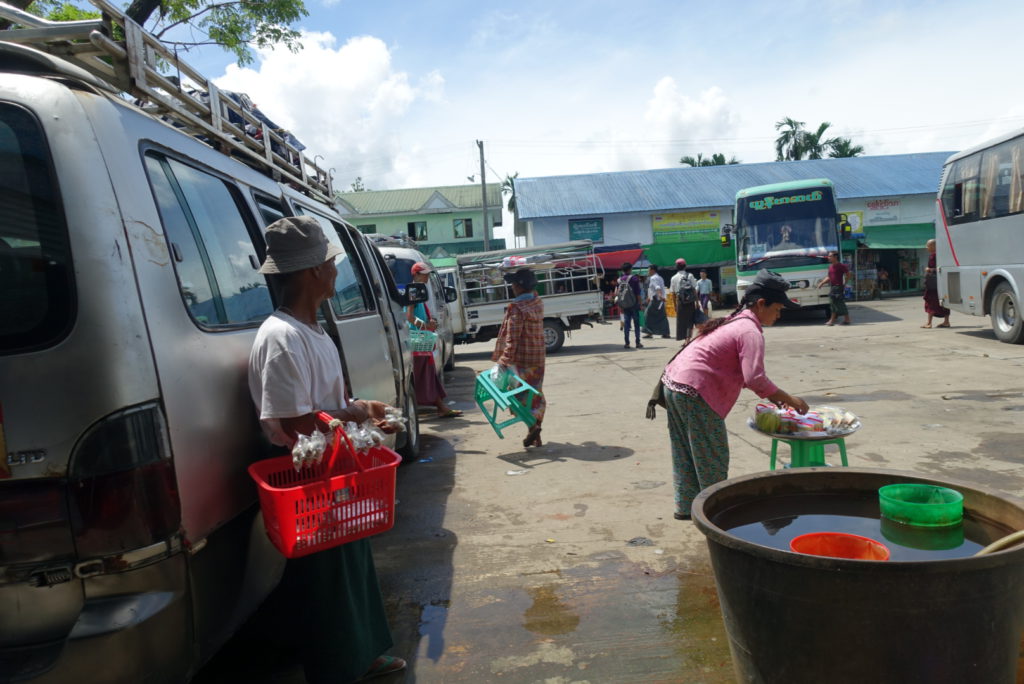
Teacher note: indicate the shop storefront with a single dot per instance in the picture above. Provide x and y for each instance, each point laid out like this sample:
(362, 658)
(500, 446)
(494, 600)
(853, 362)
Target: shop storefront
(890, 259)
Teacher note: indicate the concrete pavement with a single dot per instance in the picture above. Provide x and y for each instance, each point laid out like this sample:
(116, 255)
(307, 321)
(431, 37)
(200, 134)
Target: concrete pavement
(564, 565)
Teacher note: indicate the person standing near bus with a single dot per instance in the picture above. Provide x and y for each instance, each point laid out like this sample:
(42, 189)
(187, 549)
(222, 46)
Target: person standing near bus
(838, 274)
(704, 292)
(932, 305)
(683, 287)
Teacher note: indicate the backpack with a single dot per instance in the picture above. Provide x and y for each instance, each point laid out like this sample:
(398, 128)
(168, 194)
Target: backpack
(687, 294)
(624, 295)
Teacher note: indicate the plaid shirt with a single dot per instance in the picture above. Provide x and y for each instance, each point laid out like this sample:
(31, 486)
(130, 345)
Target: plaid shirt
(521, 338)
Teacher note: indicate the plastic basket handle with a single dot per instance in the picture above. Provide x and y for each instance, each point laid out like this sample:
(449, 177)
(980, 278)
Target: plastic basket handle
(339, 436)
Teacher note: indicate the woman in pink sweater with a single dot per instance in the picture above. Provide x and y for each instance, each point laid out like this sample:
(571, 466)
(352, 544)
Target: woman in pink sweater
(703, 382)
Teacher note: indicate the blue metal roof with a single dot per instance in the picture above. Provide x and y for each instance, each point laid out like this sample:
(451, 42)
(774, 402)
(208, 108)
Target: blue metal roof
(716, 186)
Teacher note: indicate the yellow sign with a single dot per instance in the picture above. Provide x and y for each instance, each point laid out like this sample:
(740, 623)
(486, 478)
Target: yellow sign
(692, 226)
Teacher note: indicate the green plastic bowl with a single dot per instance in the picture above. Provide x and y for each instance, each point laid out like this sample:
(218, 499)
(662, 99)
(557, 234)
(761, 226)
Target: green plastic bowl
(921, 504)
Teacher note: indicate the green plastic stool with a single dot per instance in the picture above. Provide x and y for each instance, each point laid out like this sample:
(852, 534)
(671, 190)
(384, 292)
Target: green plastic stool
(492, 400)
(808, 453)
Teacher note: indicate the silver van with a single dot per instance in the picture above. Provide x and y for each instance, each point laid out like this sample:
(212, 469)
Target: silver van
(400, 254)
(131, 545)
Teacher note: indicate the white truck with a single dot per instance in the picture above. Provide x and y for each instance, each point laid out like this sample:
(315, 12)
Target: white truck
(568, 280)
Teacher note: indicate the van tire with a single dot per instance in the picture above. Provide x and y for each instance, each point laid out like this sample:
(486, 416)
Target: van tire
(1007, 316)
(410, 449)
(554, 335)
(449, 364)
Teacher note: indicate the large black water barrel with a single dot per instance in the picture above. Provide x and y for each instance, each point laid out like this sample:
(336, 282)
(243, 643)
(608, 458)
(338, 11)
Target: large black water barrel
(794, 618)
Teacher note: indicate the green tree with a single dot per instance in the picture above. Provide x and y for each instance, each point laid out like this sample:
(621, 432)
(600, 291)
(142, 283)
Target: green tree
(357, 185)
(237, 26)
(716, 159)
(508, 187)
(815, 145)
(844, 147)
(789, 144)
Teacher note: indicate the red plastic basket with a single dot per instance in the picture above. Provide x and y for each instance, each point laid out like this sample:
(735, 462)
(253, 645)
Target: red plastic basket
(347, 496)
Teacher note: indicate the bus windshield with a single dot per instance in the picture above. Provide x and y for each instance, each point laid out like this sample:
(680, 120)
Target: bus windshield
(791, 228)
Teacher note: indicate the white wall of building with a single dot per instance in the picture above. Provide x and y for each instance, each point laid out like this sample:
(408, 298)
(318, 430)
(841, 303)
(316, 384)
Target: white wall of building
(619, 229)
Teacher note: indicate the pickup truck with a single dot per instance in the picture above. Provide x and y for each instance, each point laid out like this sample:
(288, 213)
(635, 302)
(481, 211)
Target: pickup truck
(568, 280)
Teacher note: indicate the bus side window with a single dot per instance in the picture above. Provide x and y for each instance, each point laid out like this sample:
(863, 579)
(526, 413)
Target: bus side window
(965, 188)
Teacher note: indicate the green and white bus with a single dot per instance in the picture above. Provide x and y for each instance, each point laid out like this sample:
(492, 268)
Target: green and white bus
(980, 234)
(789, 228)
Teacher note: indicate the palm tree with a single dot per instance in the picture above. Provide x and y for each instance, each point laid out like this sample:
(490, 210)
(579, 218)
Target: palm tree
(716, 159)
(508, 187)
(844, 147)
(814, 145)
(789, 144)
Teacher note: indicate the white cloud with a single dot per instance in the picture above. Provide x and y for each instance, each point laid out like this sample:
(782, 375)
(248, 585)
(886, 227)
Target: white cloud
(345, 103)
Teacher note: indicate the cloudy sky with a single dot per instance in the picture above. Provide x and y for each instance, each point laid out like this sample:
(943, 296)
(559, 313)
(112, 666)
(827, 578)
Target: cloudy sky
(397, 92)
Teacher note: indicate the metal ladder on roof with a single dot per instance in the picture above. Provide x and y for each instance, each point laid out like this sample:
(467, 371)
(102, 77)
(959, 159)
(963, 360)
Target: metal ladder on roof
(124, 56)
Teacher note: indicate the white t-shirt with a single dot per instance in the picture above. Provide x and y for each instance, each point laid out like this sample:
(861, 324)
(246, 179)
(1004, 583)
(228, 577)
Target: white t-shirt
(293, 370)
(655, 287)
(680, 280)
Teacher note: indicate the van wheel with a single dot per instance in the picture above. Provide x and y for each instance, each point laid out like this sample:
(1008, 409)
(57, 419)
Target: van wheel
(1006, 315)
(554, 335)
(411, 448)
(449, 364)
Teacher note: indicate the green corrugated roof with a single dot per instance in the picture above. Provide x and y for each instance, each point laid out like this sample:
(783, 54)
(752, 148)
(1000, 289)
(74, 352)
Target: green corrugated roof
(904, 236)
(419, 200)
(700, 253)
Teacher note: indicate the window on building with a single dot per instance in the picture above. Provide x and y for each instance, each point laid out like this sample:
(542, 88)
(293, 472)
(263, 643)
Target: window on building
(211, 244)
(368, 228)
(463, 227)
(417, 230)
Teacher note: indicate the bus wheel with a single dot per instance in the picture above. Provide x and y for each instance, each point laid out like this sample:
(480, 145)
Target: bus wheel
(1006, 315)
(554, 335)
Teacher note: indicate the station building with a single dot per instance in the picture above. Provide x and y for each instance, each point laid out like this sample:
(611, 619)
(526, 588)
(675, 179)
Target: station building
(889, 200)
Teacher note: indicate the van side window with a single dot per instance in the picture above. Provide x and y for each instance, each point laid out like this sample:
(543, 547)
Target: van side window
(270, 209)
(37, 296)
(351, 291)
(212, 248)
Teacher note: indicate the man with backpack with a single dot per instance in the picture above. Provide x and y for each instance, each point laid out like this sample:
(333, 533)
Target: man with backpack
(684, 288)
(628, 299)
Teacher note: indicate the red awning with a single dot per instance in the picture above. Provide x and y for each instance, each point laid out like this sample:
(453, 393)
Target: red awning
(612, 261)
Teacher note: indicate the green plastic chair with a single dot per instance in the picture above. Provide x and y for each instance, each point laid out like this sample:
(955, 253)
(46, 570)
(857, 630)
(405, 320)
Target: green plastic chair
(510, 393)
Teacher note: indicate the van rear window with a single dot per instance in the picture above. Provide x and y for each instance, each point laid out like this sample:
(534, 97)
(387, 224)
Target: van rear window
(37, 300)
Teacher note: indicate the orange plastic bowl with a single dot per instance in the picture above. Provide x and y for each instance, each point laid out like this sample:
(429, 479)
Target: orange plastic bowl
(839, 545)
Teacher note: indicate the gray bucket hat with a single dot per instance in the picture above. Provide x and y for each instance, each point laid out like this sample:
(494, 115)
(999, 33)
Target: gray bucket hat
(295, 243)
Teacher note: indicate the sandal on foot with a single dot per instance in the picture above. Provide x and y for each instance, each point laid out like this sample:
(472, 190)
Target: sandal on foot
(383, 665)
(942, 325)
(927, 326)
(532, 437)
(681, 516)
(450, 413)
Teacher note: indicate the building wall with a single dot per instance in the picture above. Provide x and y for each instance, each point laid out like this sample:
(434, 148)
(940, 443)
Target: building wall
(619, 229)
(440, 226)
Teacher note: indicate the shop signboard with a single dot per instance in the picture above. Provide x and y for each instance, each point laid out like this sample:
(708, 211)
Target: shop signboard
(691, 226)
(882, 212)
(587, 229)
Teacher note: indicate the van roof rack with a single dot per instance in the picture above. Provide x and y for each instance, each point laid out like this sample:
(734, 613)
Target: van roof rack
(228, 122)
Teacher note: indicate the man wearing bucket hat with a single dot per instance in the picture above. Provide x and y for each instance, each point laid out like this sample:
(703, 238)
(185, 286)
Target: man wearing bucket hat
(703, 381)
(294, 372)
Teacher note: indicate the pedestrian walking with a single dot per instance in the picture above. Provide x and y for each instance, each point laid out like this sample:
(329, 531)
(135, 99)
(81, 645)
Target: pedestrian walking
(655, 316)
(628, 296)
(704, 293)
(683, 288)
(295, 372)
(838, 275)
(520, 343)
(932, 306)
(703, 382)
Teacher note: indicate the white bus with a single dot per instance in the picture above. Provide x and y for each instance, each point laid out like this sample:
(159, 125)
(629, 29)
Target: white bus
(980, 234)
(789, 228)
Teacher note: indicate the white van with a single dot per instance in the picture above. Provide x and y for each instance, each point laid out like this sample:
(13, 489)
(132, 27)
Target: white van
(131, 545)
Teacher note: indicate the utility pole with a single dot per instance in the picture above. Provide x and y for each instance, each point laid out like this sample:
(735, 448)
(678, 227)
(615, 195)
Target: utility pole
(483, 194)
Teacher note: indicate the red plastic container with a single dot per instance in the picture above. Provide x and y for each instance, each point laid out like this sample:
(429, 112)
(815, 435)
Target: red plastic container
(347, 496)
(839, 545)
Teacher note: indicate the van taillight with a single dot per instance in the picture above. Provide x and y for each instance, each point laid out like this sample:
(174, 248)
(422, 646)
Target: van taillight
(122, 489)
(33, 521)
